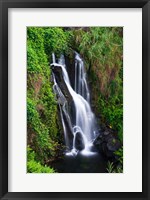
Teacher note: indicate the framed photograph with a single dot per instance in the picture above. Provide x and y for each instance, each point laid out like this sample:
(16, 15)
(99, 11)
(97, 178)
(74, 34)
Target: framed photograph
(74, 99)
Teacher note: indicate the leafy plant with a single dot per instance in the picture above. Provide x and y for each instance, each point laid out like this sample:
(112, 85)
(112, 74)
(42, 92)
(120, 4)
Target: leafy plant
(119, 153)
(118, 168)
(110, 167)
(34, 166)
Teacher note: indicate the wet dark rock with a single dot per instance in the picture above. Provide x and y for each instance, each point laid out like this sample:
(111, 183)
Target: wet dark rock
(70, 65)
(113, 144)
(79, 143)
(106, 132)
(107, 142)
(57, 70)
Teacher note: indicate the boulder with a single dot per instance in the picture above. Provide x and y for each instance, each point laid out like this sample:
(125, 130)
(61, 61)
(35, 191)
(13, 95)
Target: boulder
(113, 144)
(79, 142)
(107, 142)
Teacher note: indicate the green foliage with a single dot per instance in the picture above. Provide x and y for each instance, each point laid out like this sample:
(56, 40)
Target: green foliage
(111, 168)
(55, 40)
(119, 153)
(42, 144)
(49, 113)
(34, 121)
(32, 58)
(34, 166)
(32, 114)
(102, 50)
(116, 168)
(42, 119)
(111, 113)
(36, 57)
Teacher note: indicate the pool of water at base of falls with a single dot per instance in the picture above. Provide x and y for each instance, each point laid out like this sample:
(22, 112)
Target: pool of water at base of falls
(94, 163)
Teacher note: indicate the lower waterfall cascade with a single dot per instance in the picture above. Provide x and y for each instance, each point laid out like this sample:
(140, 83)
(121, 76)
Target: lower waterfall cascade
(74, 105)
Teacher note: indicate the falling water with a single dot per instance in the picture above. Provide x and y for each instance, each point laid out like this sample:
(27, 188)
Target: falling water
(78, 117)
(81, 86)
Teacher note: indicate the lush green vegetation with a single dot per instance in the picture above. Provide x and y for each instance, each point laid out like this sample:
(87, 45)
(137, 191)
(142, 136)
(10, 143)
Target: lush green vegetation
(102, 50)
(116, 167)
(44, 130)
(35, 166)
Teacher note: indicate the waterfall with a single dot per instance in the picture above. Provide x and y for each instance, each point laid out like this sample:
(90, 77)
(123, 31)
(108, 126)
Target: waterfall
(81, 86)
(75, 111)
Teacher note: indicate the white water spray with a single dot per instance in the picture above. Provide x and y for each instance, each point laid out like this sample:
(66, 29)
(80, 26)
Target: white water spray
(83, 121)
